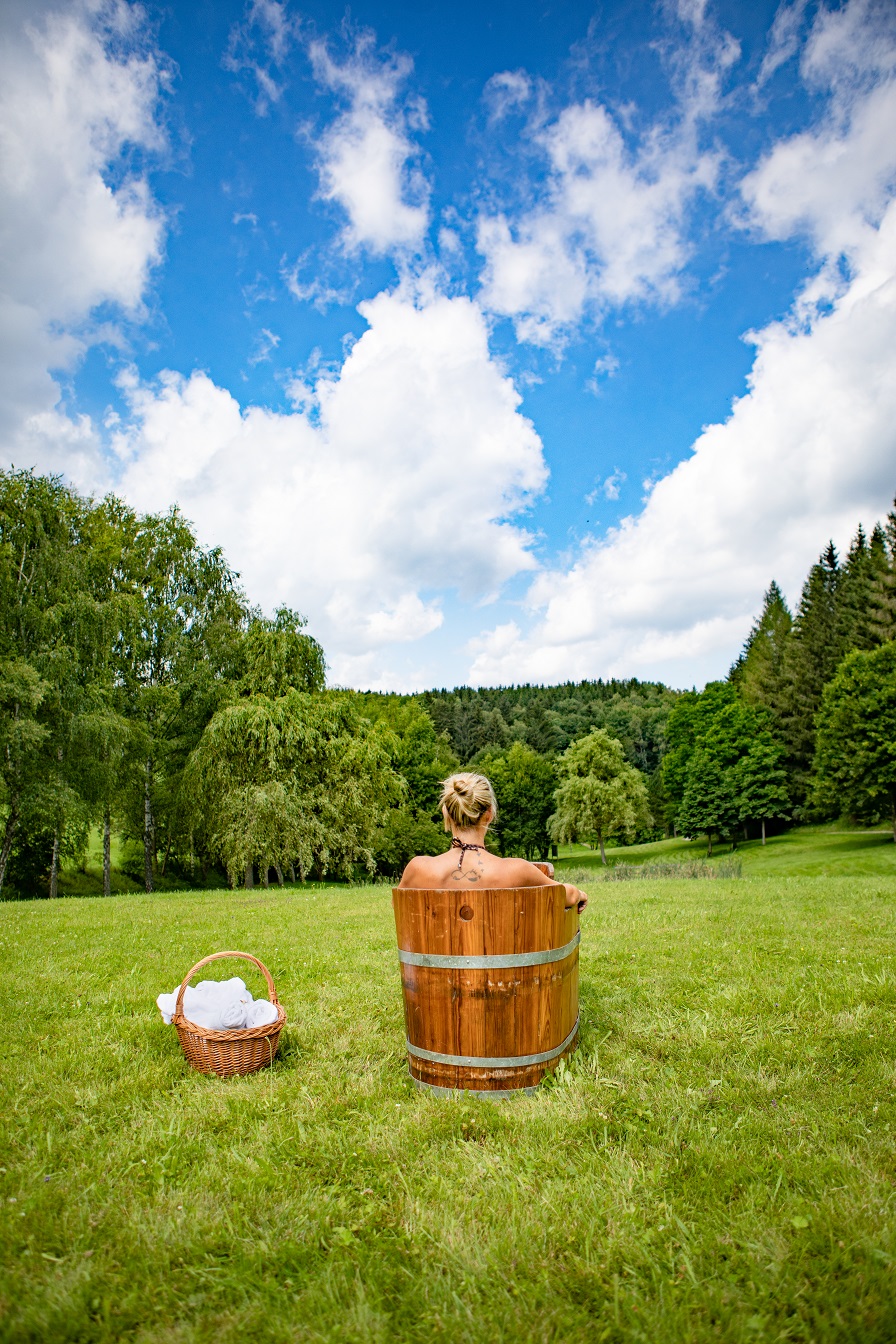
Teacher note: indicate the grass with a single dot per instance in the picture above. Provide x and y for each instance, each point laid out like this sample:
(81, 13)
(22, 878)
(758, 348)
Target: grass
(806, 851)
(716, 1162)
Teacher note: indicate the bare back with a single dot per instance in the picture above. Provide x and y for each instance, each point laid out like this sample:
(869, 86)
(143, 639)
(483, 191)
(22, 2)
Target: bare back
(475, 868)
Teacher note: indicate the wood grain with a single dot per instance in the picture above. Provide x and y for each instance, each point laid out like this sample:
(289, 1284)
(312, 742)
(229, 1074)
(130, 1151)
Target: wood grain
(494, 1013)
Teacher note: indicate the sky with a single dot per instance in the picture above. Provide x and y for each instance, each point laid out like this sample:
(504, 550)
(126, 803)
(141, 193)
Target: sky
(507, 342)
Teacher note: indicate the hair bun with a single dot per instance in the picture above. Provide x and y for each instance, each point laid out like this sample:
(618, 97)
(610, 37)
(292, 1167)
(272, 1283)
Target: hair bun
(466, 797)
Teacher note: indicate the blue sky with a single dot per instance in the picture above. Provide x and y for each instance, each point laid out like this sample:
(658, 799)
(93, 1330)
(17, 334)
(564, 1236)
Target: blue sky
(507, 342)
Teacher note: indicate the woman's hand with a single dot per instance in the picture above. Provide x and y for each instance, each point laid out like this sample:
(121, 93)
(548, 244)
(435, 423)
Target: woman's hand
(575, 897)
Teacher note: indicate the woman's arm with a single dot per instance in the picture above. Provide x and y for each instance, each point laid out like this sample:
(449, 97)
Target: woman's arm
(525, 874)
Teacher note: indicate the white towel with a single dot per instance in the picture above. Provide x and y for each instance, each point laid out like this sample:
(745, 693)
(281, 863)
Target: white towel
(261, 1013)
(207, 1003)
(233, 1015)
(234, 988)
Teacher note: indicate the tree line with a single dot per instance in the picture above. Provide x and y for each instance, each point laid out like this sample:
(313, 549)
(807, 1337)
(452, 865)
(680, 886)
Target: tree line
(142, 694)
(804, 727)
(145, 700)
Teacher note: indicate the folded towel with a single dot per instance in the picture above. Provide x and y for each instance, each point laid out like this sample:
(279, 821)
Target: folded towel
(233, 1015)
(261, 1013)
(219, 1005)
(234, 988)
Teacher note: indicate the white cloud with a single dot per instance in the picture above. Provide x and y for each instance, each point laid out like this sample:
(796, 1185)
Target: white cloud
(259, 46)
(77, 87)
(366, 158)
(506, 92)
(834, 181)
(783, 39)
(613, 484)
(805, 454)
(610, 230)
(398, 480)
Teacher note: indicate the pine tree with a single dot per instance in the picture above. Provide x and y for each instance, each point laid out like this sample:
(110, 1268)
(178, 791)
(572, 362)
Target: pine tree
(760, 677)
(882, 594)
(855, 761)
(857, 580)
(811, 659)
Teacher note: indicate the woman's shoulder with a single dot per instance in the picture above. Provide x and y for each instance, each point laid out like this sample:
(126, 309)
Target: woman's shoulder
(421, 870)
(522, 873)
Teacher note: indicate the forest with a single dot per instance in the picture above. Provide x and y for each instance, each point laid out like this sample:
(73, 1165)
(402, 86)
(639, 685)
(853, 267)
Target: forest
(146, 701)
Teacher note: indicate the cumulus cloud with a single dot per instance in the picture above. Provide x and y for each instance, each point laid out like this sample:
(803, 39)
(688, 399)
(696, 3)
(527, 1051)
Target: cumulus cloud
(367, 160)
(833, 182)
(805, 454)
(400, 477)
(609, 222)
(609, 230)
(78, 86)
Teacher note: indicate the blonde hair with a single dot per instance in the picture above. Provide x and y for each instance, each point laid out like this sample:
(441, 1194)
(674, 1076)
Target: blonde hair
(466, 797)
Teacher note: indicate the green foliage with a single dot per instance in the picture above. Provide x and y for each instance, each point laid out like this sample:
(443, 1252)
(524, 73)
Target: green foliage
(524, 782)
(599, 795)
(710, 804)
(761, 784)
(402, 835)
(278, 657)
(689, 722)
(759, 674)
(714, 1163)
(855, 757)
(549, 718)
(298, 780)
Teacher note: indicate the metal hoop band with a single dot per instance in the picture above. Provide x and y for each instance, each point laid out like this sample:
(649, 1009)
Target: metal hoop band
(494, 962)
(490, 1062)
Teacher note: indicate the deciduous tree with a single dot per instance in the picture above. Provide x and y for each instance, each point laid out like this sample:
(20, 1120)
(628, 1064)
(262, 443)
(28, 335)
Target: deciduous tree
(600, 795)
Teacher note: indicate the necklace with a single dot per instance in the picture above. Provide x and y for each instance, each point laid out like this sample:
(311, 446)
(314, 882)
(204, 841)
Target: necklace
(459, 844)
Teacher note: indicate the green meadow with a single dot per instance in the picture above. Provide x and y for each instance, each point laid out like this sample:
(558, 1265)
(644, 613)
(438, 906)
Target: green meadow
(716, 1161)
(833, 850)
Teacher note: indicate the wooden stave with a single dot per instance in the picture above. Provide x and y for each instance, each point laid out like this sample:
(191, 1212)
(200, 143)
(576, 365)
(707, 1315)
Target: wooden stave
(531, 1009)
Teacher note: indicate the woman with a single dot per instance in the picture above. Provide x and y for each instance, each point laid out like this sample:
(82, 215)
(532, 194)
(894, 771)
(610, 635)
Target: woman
(468, 808)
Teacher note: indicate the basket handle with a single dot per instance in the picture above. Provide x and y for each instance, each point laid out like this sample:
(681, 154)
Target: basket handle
(216, 956)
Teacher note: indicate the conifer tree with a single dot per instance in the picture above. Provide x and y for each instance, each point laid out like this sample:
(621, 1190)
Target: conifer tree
(855, 761)
(759, 674)
(812, 655)
(882, 594)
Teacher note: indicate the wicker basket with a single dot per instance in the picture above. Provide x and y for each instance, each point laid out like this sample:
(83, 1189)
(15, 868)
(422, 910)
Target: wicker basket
(228, 1052)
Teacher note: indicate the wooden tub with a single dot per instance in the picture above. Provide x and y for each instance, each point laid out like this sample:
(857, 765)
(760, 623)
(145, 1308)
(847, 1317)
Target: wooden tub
(491, 985)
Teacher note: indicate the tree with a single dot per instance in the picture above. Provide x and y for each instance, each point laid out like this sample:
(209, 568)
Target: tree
(689, 721)
(761, 786)
(759, 674)
(600, 795)
(709, 806)
(855, 755)
(300, 780)
(524, 783)
(813, 653)
(882, 594)
(42, 621)
(186, 613)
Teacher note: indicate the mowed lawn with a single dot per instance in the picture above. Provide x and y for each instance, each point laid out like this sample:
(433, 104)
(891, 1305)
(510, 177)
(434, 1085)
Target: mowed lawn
(804, 851)
(716, 1162)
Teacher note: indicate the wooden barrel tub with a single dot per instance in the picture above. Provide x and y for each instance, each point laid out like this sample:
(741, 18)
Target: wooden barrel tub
(491, 986)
